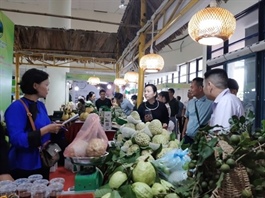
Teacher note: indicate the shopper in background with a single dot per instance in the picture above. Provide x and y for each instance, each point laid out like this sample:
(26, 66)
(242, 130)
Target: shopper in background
(155, 109)
(180, 114)
(163, 97)
(174, 107)
(103, 101)
(123, 103)
(233, 87)
(225, 103)
(198, 112)
(134, 101)
(90, 98)
(24, 155)
(186, 103)
(190, 96)
(81, 105)
(4, 147)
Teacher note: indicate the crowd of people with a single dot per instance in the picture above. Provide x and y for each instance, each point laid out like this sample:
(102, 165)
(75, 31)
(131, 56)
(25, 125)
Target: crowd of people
(210, 101)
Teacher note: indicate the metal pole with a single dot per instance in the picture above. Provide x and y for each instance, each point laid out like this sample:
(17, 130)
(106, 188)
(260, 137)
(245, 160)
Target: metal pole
(141, 53)
(17, 77)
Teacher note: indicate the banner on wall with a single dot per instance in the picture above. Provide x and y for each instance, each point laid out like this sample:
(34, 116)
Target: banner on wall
(6, 61)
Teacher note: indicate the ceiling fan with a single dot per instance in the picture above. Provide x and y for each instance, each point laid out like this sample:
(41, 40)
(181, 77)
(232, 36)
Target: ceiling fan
(122, 5)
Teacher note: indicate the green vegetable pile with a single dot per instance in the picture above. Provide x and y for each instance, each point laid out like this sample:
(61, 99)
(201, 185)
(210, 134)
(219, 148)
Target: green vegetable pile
(130, 173)
(129, 169)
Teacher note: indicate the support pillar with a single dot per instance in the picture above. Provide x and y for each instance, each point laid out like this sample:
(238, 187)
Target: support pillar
(141, 54)
(117, 70)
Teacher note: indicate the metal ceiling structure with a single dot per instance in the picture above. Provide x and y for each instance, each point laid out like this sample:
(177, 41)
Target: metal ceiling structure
(170, 18)
(124, 53)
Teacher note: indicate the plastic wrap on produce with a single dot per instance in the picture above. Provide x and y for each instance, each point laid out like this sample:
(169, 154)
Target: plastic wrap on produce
(171, 165)
(90, 141)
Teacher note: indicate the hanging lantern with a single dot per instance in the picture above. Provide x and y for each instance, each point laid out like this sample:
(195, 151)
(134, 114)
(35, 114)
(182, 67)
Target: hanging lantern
(152, 63)
(131, 77)
(212, 25)
(119, 81)
(93, 80)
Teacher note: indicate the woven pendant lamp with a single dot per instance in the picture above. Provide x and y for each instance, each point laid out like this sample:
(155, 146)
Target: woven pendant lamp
(131, 77)
(152, 62)
(93, 80)
(212, 25)
(119, 81)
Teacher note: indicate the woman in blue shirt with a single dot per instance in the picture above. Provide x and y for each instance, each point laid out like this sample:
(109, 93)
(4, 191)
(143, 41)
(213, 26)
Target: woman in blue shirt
(24, 156)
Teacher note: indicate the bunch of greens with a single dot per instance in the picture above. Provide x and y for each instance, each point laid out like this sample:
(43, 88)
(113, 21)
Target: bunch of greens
(210, 163)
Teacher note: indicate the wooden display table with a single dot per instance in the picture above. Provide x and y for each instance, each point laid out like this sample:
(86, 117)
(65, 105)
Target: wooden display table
(76, 126)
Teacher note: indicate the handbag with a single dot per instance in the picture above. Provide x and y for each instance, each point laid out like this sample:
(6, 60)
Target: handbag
(49, 152)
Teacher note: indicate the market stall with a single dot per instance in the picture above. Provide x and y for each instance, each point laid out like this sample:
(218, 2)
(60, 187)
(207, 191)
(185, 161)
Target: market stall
(147, 161)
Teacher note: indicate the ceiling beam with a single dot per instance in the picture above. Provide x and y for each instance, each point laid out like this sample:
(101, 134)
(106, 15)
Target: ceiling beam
(51, 57)
(70, 67)
(69, 17)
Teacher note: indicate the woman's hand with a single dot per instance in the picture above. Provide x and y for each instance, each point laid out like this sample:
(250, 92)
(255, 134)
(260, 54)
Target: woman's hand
(51, 128)
(148, 118)
(164, 125)
(54, 127)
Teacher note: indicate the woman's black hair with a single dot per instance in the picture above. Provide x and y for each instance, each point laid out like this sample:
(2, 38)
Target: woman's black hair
(89, 95)
(164, 94)
(153, 87)
(118, 96)
(81, 100)
(232, 84)
(29, 78)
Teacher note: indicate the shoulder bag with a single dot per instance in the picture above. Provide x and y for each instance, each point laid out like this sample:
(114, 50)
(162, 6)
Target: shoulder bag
(49, 152)
(197, 115)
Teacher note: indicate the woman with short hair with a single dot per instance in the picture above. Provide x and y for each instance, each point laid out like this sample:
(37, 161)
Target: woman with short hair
(24, 154)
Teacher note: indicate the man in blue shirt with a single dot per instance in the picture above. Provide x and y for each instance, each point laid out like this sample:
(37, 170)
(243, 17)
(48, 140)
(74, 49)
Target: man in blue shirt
(198, 111)
(124, 104)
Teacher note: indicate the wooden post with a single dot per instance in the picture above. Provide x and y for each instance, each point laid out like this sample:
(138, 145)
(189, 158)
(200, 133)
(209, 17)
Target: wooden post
(117, 88)
(17, 77)
(141, 54)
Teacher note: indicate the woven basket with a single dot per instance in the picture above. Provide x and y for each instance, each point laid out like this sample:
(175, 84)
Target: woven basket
(235, 181)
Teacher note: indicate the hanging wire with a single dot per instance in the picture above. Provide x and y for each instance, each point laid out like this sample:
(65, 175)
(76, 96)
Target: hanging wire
(151, 48)
(94, 65)
(214, 3)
